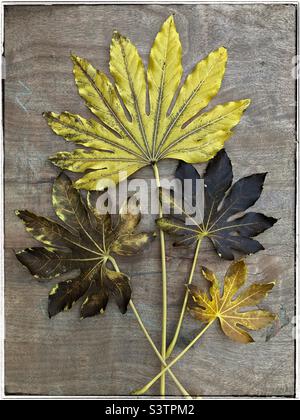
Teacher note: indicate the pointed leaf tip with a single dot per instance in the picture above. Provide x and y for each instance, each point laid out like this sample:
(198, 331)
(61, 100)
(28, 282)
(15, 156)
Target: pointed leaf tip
(273, 220)
(116, 35)
(223, 50)
(74, 57)
(264, 175)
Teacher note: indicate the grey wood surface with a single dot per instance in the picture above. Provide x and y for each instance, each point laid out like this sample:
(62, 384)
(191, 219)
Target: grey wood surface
(108, 355)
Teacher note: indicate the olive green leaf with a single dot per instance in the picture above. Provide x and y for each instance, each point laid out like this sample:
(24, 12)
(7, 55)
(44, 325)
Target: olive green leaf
(86, 243)
(229, 306)
(222, 222)
(130, 132)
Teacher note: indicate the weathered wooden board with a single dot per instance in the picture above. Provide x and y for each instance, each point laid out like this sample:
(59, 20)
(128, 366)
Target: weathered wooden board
(108, 355)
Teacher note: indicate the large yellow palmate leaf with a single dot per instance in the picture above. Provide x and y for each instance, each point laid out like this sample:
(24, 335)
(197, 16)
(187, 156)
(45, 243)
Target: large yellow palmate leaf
(131, 132)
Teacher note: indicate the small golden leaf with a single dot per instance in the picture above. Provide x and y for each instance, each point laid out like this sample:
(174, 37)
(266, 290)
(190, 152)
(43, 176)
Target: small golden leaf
(226, 306)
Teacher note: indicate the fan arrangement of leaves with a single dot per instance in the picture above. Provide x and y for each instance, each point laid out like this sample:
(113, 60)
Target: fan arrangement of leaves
(140, 119)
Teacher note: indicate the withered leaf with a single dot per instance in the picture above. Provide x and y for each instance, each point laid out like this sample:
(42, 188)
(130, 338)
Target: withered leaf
(222, 223)
(86, 243)
(229, 306)
(126, 135)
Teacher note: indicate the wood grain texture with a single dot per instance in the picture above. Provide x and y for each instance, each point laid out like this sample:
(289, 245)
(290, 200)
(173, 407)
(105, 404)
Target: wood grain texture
(108, 355)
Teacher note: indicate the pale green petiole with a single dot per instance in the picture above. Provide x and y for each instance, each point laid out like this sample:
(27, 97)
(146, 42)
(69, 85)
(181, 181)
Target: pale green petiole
(164, 290)
(177, 358)
(185, 301)
(176, 381)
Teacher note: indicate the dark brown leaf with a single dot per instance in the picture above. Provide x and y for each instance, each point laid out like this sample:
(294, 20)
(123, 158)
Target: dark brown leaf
(222, 222)
(85, 244)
